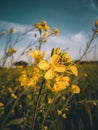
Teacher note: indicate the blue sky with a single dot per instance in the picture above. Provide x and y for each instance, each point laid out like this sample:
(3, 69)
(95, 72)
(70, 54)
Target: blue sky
(74, 19)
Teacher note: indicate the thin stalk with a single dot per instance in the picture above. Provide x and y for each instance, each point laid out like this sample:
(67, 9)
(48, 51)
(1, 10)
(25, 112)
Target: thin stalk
(49, 108)
(88, 46)
(68, 100)
(36, 105)
(13, 108)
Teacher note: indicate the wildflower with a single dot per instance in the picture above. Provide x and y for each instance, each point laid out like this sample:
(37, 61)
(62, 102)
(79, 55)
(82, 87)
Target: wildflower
(20, 105)
(37, 55)
(39, 26)
(11, 51)
(96, 23)
(50, 100)
(55, 31)
(12, 111)
(24, 79)
(61, 83)
(56, 51)
(64, 116)
(85, 74)
(27, 80)
(66, 108)
(12, 30)
(14, 96)
(20, 67)
(94, 103)
(74, 70)
(45, 128)
(10, 90)
(63, 98)
(52, 67)
(43, 23)
(45, 34)
(29, 96)
(65, 57)
(1, 104)
(59, 112)
(46, 28)
(3, 33)
(96, 31)
(75, 89)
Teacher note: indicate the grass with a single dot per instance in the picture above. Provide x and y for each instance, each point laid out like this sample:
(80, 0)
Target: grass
(83, 109)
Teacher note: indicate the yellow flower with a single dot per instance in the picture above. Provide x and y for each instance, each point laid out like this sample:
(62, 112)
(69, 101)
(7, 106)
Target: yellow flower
(46, 34)
(64, 116)
(59, 112)
(50, 100)
(63, 98)
(37, 55)
(39, 26)
(24, 79)
(14, 96)
(52, 67)
(55, 31)
(46, 28)
(94, 103)
(3, 33)
(43, 23)
(1, 104)
(45, 128)
(74, 70)
(85, 74)
(20, 67)
(96, 30)
(27, 80)
(75, 89)
(56, 51)
(10, 90)
(12, 30)
(61, 83)
(96, 23)
(11, 51)
(66, 109)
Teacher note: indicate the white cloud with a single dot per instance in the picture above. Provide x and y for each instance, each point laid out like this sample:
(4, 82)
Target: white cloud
(70, 42)
(79, 38)
(8, 25)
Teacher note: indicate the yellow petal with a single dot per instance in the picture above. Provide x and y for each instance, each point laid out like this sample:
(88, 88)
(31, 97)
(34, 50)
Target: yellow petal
(74, 70)
(49, 74)
(55, 59)
(59, 68)
(43, 64)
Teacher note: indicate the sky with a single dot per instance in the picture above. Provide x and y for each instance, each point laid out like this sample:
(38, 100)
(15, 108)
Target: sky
(74, 19)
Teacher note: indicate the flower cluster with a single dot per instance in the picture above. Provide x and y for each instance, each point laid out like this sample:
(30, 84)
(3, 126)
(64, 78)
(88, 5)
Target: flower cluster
(55, 71)
(11, 51)
(96, 27)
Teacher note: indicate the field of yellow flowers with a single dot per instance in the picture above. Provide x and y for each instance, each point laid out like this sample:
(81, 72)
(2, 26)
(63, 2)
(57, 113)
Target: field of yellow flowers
(47, 94)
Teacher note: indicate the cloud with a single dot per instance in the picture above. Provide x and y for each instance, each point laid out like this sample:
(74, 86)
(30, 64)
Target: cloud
(79, 38)
(70, 42)
(7, 25)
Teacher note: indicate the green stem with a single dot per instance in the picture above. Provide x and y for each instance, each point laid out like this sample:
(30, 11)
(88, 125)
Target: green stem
(88, 46)
(12, 108)
(68, 100)
(36, 105)
(49, 108)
